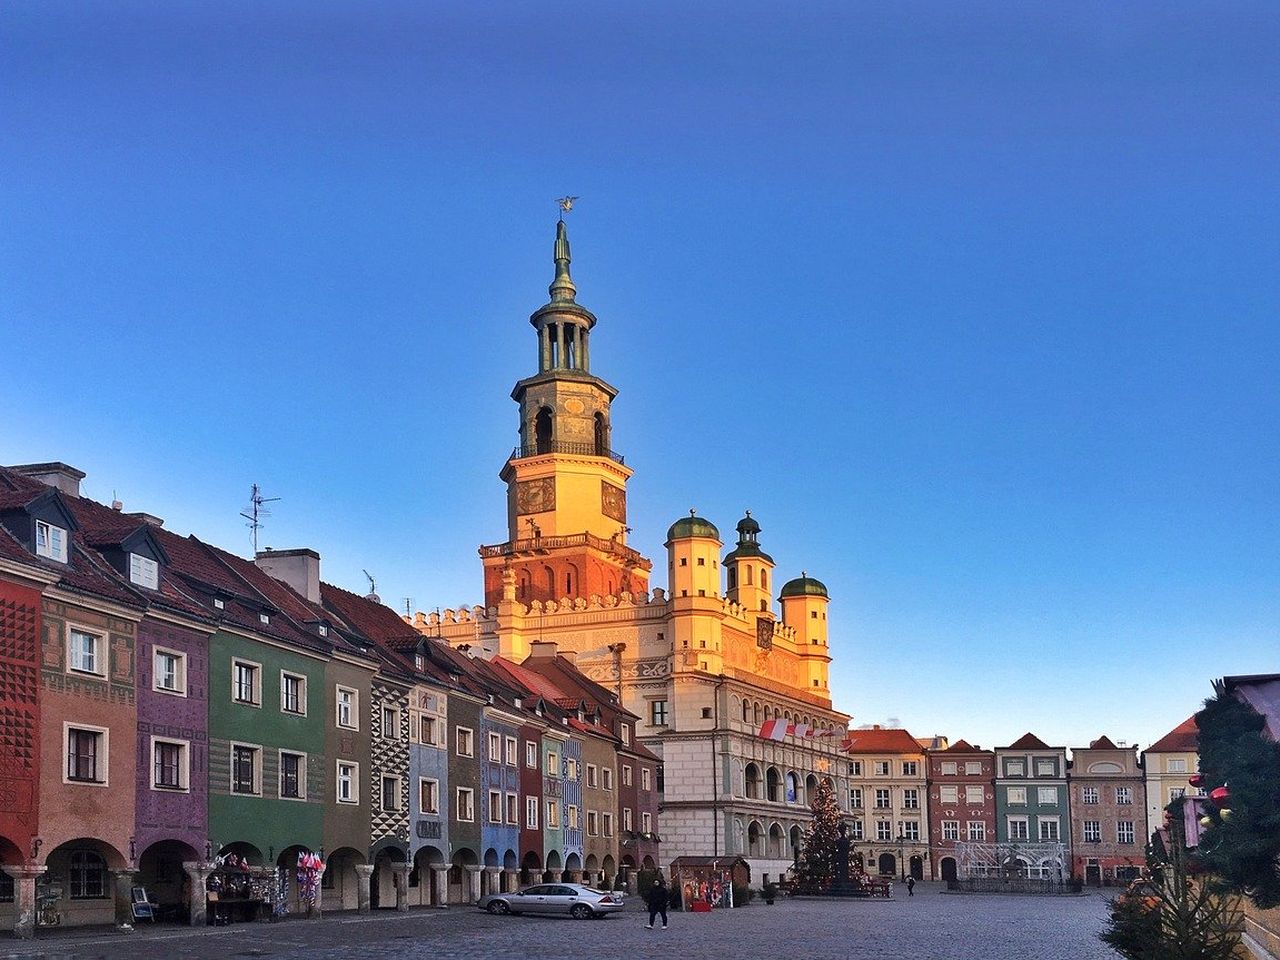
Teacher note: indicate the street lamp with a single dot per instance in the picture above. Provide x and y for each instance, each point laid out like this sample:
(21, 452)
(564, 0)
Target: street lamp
(902, 863)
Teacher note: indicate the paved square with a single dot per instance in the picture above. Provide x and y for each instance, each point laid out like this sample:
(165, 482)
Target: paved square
(928, 926)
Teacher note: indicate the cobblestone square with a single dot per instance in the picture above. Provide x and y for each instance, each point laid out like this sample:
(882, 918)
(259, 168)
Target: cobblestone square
(929, 925)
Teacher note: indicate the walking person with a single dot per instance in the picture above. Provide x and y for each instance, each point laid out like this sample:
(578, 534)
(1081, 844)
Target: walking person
(911, 886)
(656, 900)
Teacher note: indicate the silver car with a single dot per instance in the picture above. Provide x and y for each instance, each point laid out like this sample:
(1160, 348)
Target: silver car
(554, 899)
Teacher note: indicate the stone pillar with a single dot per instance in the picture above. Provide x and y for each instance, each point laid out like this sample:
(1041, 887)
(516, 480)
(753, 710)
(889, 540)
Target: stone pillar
(510, 881)
(401, 883)
(586, 354)
(493, 880)
(123, 884)
(575, 876)
(544, 349)
(440, 882)
(24, 899)
(197, 896)
(560, 345)
(473, 883)
(364, 871)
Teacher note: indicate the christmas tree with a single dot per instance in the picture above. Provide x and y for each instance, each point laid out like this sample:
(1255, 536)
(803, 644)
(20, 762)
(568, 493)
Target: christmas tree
(819, 847)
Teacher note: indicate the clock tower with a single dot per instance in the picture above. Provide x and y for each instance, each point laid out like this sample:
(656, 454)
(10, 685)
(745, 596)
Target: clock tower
(566, 486)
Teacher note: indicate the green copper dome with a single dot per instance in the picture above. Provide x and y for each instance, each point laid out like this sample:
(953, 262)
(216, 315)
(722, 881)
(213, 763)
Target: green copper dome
(692, 526)
(804, 586)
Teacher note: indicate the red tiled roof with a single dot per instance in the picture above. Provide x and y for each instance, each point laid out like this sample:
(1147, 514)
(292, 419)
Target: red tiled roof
(1103, 743)
(1184, 738)
(1028, 741)
(375, 620)
(892, 740)
(963, 746)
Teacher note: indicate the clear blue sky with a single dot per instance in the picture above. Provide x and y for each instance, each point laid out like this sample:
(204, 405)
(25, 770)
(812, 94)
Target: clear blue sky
(973, 305)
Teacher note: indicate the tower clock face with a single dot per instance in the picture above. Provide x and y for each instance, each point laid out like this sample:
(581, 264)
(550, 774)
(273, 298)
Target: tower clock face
(574, 406)
(536, 496)
(613, 501)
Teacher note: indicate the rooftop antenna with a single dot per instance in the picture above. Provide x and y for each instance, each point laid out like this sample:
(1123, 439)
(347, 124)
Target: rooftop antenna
(408, 606)
(373, 587)
(255, 512)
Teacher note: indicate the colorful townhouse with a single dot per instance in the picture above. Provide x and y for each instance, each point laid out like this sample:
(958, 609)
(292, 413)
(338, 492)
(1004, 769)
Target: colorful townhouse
(1032, 810)
(1108, 812)
(962, 805)
(1167, 764)
(889, 826)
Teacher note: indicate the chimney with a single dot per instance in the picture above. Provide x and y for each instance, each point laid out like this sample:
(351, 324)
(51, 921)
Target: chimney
(145, 518)
(542, 649)
(56, 474)
(299, 568)
(570, 655)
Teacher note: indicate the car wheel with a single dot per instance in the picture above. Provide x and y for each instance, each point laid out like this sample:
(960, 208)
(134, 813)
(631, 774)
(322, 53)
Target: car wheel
(581, 911)
(498, 907)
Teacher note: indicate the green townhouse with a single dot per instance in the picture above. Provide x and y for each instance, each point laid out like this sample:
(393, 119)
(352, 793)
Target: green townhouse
(1033, 825)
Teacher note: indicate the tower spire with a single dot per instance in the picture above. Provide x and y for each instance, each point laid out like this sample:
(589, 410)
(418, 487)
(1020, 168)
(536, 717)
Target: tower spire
(562, 287)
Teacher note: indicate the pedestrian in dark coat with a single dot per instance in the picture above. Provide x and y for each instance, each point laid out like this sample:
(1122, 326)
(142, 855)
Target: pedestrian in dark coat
(657, 901)
(911, 886)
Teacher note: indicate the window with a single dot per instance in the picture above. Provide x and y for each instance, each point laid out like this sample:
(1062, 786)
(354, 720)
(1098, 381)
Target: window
(428, 795)
(910, 768)
(950, 829)
(1048, 828)
(391, 723)
(466, 746)
(855, 798)
(86, 755)
(1017, 795)
(87, 875)
(246, 769)
(1124, 795)
(293, 776)
(593, 824)
(911, 799)
(1124, 831)
(949, 794)
(1046, 768)
(553, 815)
(948, 768)
(1014, 768)
(495, 747)
(855, 830)
(606, 820)
(977, 831)
(625, 732)
(553, 764)
(973, 795)
(84, 652)
(646, 822)
(972, 768)
(884, 830)
(531, 754)
(348, 782)
(646, 777)
(1047, 796)
(427, 730)
(348, 712)
(626, 819)
(658, 713)
(219, 603)
(626, 775)
(531, 813)
(606, 777)
(169, 671)
(571, 813)
(293, 693)
(512, 747)
(264, 618)
(591, 774)
(495, 806)
(882, 799)
(465, 807)
(246, 682)
(1175, 766)
(855, 768)
(572, 768)
(1089, 795)
(1092, 832)
(882, 768)
(911, 830)
(1018, 828)
(51, 541)
(390, 793)
(168, 764)
(144, 571)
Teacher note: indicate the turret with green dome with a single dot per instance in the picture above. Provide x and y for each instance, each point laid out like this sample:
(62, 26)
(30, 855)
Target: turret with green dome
(804, 586)
(693, 526)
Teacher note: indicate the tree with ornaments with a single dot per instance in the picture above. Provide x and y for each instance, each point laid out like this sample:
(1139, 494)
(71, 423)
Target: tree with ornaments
(820, 846)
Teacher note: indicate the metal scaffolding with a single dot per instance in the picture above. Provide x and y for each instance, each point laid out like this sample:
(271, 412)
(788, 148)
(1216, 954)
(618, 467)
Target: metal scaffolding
(1044, 860)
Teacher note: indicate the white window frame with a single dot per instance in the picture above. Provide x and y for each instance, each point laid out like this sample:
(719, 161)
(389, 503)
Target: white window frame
(180, 673)
(531, 813)
(911, 768)
(1120, 832)
(592, 776)
(512, 747)
(54, 551)
(353, 708)
(883, 768)
(302, 693)
(910, 830)
(606, 778)
(256, 702)
(144, 572)
(910, 799)
(855, 798)
(646, 778)
(1124, 796)
(1175, 765)
(1046, 768)
(950, 829)
(1023, 822)
(977, 832)
(184, 767)
(973, 790)
(627, 819)
(646, 821)
(571, 816)
(100, 655)
(494, 809)
(1015, 768)
(1016, 796)
(553, 764)
(103, 757)
(1089, 796)
(606, 824)
(302, 776)
(1042, 823)
(856, 829)
(495, 747)
(626, 775)
(531, 754)
(433, 726)
(884, 831)
(399, 793)
(468, 806)
(552, 816)
(949, 768)
(257, 769)
(435, 796)
(593, 823)
(973, 768)
(396, 718)
(467, 734)
(513, 809)
(352, 780)
(1091, 831)
(884, 798)
(1050, 792)
(949, 794)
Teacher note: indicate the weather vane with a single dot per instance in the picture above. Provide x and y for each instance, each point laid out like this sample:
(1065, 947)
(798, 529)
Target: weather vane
(566, 204)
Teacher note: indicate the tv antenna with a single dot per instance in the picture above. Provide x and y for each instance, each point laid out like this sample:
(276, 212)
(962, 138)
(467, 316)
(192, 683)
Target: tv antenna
(373, 587)
(408, 606)
(255, 512)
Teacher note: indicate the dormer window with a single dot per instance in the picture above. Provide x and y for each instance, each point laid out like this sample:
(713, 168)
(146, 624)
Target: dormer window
(51, 541)
(324, 631)
(144, 571)
(264, 618)
(219, 604)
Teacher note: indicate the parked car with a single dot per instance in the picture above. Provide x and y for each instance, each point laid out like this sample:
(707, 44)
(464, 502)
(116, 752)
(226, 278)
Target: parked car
(554, 899)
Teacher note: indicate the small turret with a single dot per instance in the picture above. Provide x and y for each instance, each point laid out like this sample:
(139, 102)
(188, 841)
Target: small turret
(804, 609)
(693, 554)
(749, 569)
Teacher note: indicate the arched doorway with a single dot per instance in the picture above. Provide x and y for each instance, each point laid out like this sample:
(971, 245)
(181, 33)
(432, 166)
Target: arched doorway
(422, 886)
(382, 885)
(80, 871)
(916, 867)
(753, 838)
(530, 868)
(775, 841)
(542, 430)
(795, 837)
(773, 785)
(949, 868)
(555, 867)
(287, 862)
(888, 865)
(460, 876)
(243, 850)
(161, 874)
(752, 782)
(610, 868)
(340, 884)
(573, 867)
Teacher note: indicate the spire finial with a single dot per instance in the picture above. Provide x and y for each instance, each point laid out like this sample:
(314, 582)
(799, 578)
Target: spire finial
(562, 287)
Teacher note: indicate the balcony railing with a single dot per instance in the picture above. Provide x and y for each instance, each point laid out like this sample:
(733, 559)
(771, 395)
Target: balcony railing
(557, 446)
(539, 544)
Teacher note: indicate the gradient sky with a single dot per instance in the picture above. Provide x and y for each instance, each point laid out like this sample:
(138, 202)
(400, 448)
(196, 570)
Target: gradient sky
(973, 305)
